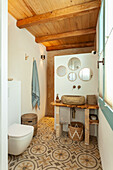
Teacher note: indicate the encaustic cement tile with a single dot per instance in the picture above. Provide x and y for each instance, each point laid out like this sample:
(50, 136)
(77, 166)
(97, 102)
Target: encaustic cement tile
(47, 152)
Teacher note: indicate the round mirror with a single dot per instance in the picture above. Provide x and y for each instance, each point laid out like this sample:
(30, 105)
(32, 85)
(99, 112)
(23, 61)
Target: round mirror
(74, 63)
(85, 74)
(72, 76)
(61, 71)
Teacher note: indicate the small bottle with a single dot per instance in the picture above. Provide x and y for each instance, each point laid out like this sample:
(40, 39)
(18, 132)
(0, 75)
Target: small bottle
(57, 98)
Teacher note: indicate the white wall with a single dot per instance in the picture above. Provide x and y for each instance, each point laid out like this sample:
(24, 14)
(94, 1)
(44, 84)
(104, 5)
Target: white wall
(105, 133)
(3, 85)
(21, 42)
(105, 142)
(65, 87)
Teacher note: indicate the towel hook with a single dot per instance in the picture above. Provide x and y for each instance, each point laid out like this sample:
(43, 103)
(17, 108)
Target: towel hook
(26, 56)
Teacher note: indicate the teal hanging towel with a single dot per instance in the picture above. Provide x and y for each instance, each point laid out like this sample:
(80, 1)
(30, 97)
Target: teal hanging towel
(35, 87)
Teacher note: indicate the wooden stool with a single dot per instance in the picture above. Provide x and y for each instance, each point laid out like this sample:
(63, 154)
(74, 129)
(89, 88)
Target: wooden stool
(30, 119)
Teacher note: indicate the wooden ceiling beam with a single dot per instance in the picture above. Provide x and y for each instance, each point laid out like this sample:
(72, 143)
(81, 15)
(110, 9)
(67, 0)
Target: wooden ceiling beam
(65, 35)
(59, 14)
(69, 46)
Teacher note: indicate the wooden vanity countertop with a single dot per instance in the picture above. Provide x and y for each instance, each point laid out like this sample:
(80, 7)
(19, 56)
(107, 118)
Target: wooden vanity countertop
(85, 106)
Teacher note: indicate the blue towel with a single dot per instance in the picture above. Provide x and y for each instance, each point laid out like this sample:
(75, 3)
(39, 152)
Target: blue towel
(35, 87)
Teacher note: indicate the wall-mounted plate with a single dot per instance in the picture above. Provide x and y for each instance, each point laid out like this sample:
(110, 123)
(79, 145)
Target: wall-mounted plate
(85, 74)
(74, 63)
(72, 76)
(61, 71)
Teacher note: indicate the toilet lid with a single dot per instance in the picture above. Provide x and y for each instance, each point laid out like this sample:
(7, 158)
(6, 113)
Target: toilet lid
(19, 130)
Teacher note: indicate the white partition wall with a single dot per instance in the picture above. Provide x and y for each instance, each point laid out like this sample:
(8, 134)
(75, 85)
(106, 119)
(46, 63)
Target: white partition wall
(65, 87)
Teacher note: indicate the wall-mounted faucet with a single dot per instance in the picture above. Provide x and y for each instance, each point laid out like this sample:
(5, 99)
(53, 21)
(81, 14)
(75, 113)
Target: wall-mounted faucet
(74, 86)
(79, 87)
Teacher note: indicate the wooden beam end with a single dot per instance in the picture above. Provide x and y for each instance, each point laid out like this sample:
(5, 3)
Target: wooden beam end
(36, 40)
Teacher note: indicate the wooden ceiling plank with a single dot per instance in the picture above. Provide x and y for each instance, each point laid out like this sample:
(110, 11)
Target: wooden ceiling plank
(59, 14)
(65, 35)
(71, 40)
(68, 46)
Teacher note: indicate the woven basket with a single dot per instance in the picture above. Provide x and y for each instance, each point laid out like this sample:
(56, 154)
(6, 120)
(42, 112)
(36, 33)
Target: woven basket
(91, 99)
(76, 131)
(30, 119)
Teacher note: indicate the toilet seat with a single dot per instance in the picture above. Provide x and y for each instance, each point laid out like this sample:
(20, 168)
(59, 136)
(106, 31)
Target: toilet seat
(19, 130)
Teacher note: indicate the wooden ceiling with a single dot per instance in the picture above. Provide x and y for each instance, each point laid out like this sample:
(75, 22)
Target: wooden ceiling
(58, 24)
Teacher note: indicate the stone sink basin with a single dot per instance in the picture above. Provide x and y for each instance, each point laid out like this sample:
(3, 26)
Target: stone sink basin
(71, 99)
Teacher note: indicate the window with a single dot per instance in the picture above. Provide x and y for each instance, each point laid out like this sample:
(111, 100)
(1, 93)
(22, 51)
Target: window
(106, 52)
(109, 71)
(101, 31)
(109, 52)
(108, 17)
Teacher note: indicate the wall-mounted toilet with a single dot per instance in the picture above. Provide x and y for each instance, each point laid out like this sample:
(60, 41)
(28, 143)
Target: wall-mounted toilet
(19, 136)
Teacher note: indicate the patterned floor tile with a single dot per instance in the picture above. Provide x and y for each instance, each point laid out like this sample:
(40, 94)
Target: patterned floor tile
(46, 152)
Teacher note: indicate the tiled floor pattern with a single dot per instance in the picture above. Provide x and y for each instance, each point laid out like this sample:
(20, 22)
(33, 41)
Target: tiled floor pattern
(46, 152)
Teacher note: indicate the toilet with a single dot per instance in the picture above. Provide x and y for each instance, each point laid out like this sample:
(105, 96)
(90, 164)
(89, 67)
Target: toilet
(19, 136)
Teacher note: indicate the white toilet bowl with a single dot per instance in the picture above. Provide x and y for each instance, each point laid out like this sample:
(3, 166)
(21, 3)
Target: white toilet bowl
(19, 138)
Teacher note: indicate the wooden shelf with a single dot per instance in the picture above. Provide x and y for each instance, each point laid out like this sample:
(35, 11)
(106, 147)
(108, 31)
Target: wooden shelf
(85, 106)
(87, 119)
(93, 122)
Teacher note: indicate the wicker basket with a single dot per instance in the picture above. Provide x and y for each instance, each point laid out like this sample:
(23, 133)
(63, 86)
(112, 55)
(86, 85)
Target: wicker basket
(76, 131)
